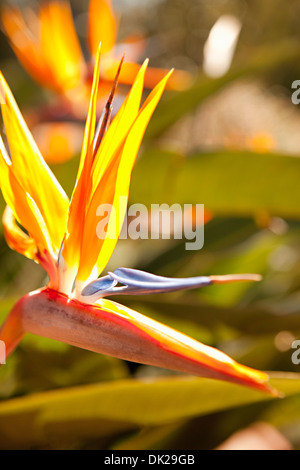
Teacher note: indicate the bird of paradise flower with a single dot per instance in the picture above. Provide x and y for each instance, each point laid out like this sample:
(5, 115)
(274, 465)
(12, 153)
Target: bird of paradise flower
(61, 236)
(49, 49)
(47, 45)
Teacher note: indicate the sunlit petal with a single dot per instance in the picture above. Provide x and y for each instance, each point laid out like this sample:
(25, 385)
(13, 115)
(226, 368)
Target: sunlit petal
(31, 171)
(26, 45)
(17, 239)
(113, 189)
(178, 351)
(20, 202)
(119, 128)
(70, 255)
(102, 26)
(60, 44)
(49, 49)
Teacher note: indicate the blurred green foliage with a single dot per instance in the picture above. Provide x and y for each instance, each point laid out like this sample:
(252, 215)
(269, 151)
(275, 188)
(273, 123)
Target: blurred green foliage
(56, 396)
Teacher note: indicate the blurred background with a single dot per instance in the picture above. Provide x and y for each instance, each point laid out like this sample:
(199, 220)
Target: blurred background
(230, 141)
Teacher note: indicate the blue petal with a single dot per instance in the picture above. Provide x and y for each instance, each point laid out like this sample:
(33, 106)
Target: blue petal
(102, 285)
(137, 282)
(140, 282)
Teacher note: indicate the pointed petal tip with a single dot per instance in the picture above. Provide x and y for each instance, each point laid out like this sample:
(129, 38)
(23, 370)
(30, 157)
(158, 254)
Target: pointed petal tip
(166, 79)
(171, 71)
(269, 388)
(274, 392)
(143, 66)
(265, 386)
(256, 379)
(222, 279)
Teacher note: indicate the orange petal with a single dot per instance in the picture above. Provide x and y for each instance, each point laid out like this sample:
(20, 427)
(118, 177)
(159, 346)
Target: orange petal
(175, 347)
(31, 172)
(47, 46)
(17, 239)
(113, 189)
(60, 44)
(22, 205)
(180, 79)
(26, 46)
(119, 127)
(69, 259)
(22, 243)
(102, 26)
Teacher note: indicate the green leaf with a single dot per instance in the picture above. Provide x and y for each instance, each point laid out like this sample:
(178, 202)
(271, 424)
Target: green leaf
(228, 183)
(115, 407)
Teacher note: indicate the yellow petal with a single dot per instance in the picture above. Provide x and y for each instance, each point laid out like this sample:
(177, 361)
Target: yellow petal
(60, 44)
(71, 250)
(31, 171)
(20, 202)
(118, 130)
(102, 26)
(21, 207)
(113, 189)
(47, 46)
(17, 239)
(26, 46)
